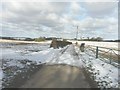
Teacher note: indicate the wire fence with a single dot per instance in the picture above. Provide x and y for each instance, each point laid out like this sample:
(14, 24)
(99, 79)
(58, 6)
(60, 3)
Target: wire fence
(107, 55)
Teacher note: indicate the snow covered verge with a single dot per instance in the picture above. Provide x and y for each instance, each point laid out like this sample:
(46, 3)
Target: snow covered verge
(19, 58)
(105, 74)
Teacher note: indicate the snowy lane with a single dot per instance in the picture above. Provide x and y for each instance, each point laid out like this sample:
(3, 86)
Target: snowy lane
(58, 76)
(15, 59)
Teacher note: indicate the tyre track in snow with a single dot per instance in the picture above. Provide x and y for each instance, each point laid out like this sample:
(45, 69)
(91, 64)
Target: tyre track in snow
(56, 57)
(67, 53)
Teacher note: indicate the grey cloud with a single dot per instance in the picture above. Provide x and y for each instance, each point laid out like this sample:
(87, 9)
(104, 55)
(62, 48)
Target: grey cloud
(57, 19)
(34, 12)
(100, 9)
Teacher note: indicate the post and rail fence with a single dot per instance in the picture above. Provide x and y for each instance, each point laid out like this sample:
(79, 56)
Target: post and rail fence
(108, 55)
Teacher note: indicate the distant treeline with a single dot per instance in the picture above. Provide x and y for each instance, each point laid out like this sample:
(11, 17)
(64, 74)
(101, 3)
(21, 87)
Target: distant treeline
(98, 39)
(111, 40)
(28, 39)
(18, 38)
(50, 38)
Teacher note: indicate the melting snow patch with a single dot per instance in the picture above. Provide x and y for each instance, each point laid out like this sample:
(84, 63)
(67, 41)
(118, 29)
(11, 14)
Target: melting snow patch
(106, 75)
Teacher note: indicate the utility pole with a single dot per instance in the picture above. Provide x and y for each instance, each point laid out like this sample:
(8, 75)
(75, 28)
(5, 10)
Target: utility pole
(76, 32)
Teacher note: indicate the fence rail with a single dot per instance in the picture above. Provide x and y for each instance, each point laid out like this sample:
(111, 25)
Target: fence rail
(108, 55)
(103, 47)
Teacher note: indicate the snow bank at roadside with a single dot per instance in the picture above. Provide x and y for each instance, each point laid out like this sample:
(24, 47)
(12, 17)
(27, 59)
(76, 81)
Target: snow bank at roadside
(105, 74)
(69, 57)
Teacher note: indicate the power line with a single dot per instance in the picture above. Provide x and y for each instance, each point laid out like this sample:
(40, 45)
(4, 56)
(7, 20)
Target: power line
(76, 32)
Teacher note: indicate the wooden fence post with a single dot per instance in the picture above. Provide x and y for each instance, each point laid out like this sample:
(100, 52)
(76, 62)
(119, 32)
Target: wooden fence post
(97, 52)
(110, 55)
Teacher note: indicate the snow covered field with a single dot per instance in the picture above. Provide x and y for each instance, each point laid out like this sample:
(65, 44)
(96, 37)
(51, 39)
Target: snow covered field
(112, 45)
(18, 41)
(16, 57)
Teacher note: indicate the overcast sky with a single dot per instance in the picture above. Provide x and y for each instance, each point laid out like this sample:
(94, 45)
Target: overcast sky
(23, 18)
